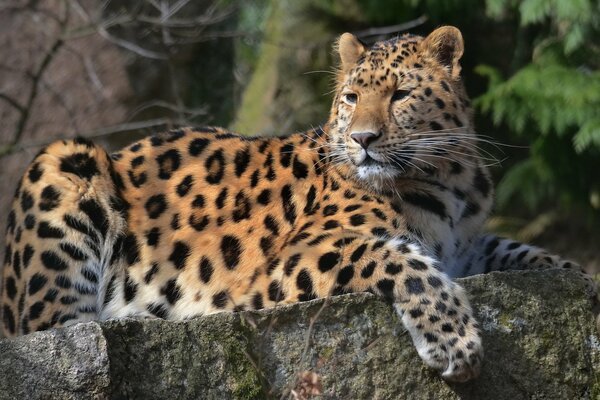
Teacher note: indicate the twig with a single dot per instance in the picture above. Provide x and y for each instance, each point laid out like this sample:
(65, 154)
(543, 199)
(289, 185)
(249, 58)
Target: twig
(181, 110)
(63, 102)
(185, 23)
(287, 392)
(8, 68)
(12, 102)
(383, 30)
(102, 29)
(307, 338)
(88, 66)
(130, 46)
(173, 10)
(258, 369)
(30, 6)
(93, 75)
(386, 30)
(110, 130)
(173, 29)
(26, 111)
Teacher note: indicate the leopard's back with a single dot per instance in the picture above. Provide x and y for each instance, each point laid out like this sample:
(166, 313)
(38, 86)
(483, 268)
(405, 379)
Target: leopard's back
(208, 216)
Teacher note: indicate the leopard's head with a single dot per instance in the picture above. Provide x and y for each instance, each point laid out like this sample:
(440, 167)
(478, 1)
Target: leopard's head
(400, 107)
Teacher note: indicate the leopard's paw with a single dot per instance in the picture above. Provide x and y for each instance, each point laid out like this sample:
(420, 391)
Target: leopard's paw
(458, 359)
(465, 361)
(447, 337)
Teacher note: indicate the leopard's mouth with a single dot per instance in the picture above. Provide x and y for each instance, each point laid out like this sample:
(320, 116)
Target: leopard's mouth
(373, 170)
(371, 163)
(368, 158)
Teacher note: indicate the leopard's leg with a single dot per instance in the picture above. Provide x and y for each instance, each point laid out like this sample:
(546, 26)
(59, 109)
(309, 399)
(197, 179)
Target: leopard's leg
(435, 310)
(65, 218)
(493, 253)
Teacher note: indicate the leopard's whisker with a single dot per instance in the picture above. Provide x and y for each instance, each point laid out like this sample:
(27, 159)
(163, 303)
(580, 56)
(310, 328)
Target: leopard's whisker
(435, 150)
(452, 147)
(462, 157)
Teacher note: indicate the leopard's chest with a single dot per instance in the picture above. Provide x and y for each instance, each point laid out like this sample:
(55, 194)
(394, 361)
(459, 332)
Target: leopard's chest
(444, 222)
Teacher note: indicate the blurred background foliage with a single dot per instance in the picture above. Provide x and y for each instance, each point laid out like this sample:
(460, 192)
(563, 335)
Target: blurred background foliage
(266, 66)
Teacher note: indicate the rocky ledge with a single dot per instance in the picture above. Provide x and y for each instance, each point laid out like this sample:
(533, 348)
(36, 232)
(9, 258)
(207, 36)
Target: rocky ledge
(539, 335)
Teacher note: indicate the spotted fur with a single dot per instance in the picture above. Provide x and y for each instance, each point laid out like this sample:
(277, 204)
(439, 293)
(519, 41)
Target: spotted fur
(389, 197)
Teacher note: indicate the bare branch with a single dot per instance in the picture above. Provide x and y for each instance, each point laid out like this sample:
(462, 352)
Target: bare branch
(173, 10)
(88, 65)
(8, 68)
(36, 77)
(174, 31)
(102, 29)
(111, 130)
(132, 126)
(166, 35)
(31, 7)
(130, 46)
(60, 99)
(210, 17)
(79, 9)
(12, 102)
(92, 74)
(219, 35)
(287, 391)
(185, 23)
(387, 30)
(178, 108)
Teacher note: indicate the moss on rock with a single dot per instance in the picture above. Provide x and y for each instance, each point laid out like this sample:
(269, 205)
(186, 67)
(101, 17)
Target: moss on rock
(538, 330)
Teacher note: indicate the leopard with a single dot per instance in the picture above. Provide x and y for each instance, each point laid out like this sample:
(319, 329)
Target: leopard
(389, 196)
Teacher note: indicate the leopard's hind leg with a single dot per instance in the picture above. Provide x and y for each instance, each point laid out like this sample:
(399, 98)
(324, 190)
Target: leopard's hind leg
(65, 219)
(493, 253)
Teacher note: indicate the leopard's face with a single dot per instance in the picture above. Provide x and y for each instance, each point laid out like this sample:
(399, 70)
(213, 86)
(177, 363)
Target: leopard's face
(400, 108)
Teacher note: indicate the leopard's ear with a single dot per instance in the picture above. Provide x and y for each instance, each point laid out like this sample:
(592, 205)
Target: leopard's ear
(350, 49)
(446, 46)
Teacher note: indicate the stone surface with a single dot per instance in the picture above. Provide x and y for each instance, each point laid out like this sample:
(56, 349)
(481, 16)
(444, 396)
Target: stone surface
(59, 364)
(539, 336)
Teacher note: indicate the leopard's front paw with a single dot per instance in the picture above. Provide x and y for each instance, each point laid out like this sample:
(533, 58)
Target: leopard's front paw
(458, 358)
(447, 338)
(465, 359)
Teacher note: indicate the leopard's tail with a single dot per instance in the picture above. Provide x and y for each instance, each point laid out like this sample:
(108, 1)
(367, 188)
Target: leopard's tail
(66, 217)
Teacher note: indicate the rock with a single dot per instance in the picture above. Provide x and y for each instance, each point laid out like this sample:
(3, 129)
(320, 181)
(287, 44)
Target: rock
(538, 327)
(58, 364)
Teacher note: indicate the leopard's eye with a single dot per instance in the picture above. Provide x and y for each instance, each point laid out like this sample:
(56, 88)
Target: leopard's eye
(350, 98)
(400, 94)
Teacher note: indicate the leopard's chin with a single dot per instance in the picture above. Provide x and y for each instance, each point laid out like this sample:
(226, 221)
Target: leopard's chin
(369, 166)
(375, 171)
(377, 176)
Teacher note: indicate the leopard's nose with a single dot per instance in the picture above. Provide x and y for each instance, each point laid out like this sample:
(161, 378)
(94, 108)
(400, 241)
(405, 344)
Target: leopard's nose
(364, 138)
